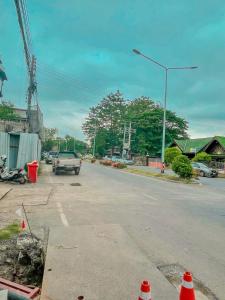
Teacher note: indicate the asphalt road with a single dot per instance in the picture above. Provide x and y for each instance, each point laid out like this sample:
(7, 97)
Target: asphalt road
(116, 229)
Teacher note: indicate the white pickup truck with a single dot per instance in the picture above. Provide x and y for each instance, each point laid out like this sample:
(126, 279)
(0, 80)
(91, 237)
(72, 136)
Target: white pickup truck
(66, 161)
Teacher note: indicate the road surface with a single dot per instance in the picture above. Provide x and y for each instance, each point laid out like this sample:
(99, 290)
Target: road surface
(117, 229)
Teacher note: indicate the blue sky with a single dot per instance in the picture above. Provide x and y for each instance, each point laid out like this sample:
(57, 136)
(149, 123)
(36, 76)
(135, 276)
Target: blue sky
(83, 51)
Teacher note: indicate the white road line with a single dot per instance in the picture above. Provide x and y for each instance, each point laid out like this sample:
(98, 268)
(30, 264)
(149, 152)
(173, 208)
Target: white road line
(62, 215)
(150, 197)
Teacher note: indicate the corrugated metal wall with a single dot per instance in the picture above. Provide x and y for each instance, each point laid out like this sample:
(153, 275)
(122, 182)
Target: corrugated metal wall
(4, 144)
(29, 148)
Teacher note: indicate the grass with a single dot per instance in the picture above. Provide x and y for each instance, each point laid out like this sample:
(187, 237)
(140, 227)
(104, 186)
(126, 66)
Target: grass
(221, 175)
(160, 176)
(8, 231)
(39, 168)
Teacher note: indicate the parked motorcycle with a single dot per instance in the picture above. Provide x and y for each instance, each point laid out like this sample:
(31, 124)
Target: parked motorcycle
(16, 175)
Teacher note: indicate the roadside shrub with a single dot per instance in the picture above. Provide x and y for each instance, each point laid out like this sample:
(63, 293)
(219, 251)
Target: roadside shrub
(93, 160)
(170, 154)
(106, 162)
(182, 166)
(202, 157)
(119, 165)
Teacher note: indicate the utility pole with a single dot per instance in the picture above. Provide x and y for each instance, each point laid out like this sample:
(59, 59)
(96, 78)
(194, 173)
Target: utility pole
(31, 89)
(74, 144)
(30, 59)
(127, 140)
(94, 144)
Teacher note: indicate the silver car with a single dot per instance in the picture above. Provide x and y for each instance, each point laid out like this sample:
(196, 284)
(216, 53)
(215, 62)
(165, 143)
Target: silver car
(204, 170)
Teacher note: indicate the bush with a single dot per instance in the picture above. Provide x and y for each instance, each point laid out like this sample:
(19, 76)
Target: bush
(202, 157)
(119, 165)
(170, 154)
(106, 162)
(182, 166)
(93, 160)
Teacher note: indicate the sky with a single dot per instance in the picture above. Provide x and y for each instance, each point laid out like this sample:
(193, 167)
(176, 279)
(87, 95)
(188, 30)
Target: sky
(84, 51)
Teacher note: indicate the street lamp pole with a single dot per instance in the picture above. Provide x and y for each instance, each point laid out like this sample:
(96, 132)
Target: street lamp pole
(166, 69)
(164, 122)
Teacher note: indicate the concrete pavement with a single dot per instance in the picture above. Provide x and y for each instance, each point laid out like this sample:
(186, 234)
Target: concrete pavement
(116, 229)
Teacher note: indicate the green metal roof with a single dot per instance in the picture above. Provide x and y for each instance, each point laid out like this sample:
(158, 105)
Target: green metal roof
(197, 145)
(221, 140)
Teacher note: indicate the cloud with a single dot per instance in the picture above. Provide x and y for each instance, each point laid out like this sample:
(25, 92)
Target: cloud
(83, 51)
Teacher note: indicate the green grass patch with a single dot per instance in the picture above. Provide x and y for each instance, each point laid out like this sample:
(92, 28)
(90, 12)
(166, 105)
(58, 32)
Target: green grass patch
(8, 231)
(160, 176)
(39, 168)
(221, 175)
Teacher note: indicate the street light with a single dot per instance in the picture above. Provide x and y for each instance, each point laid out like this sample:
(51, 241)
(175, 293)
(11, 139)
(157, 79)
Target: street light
(166, 69)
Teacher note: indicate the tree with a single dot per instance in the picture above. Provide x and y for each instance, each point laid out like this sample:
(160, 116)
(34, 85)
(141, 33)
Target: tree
(202, 157)
(147, 118)
(50, 133)
(182, 166)
(106, 121)
(170, 154)
(7, 111)
(70, 143)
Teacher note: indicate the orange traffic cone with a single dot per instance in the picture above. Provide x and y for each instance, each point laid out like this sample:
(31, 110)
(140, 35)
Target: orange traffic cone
(23, 225)
(145, 293)
(187, 289)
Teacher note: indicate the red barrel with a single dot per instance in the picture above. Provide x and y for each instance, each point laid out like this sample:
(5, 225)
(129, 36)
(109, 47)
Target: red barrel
(32, 171)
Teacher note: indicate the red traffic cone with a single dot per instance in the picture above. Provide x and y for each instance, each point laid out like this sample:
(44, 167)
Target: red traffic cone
(23, 225)
(187, 289)
(145, 293)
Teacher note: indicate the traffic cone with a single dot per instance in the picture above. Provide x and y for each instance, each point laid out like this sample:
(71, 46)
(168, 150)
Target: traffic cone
(23, 225)
(187, 289)
(145, 293)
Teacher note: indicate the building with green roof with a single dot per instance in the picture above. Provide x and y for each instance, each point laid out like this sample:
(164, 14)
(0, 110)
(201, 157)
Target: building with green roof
(214, 146)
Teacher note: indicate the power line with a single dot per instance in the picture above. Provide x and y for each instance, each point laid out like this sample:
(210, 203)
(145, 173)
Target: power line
(27, 23)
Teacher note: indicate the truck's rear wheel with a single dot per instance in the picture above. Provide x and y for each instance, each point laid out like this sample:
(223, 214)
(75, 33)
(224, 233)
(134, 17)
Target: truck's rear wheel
(77, 171)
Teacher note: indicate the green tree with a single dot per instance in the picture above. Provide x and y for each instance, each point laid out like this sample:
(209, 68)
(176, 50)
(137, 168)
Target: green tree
(170, 154)
(106, 121)
(182, 166)
(202, 157)
(70, 143)
(147, 117)
(7, 111)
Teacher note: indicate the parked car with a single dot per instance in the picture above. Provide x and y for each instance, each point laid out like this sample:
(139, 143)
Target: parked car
(204, 170)
(50, 156)
(66, 161)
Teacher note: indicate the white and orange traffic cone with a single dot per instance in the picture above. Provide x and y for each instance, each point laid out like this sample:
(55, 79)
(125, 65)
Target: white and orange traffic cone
(145, 293)
(187, 288)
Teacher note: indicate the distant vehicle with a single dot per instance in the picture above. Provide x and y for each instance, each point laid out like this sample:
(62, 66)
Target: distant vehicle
(50, 156)
(116, 158)
(66, 161)
(203, 170)
(44, 155)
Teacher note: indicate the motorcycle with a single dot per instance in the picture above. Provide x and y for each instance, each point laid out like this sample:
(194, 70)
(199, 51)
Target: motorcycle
(16, 175)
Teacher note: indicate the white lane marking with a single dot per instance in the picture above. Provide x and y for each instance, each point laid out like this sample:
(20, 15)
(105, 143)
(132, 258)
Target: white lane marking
(62, 215)
(150, 197)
